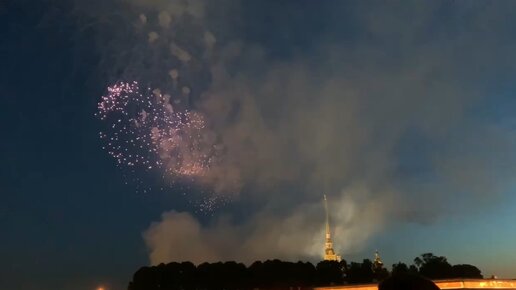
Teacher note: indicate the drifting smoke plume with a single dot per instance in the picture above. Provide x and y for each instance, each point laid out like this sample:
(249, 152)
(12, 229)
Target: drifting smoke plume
(388, 127)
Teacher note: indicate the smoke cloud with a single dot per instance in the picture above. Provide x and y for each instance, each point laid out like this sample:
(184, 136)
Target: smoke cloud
(390, 127)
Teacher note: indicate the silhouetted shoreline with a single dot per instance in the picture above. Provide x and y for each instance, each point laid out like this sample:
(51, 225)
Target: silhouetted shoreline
(276, 274)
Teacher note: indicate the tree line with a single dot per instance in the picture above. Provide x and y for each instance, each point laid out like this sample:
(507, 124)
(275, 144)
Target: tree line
(276, 274)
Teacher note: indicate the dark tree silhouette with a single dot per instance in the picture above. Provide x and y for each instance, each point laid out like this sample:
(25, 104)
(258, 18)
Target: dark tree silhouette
(413, 269)
(399, 268)
(354, 273)
(360, 272)
(275, 274)
(344, 268)
(305, 274)
(379, 271)
(367, 270)
(329, 273)
(466, 271)
(217, 276)
(433, 267)
(145, 278)
(278, 274)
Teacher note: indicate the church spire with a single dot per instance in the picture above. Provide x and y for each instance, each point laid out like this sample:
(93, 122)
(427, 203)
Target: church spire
(329, 253)
(377, 260)
(328, 233)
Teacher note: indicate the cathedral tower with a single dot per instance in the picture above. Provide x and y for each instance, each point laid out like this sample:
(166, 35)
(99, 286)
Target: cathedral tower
(329, 253)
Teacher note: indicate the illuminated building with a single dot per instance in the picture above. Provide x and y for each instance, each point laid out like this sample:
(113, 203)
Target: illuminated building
(377, 264)
(329, 253)
(442, 284)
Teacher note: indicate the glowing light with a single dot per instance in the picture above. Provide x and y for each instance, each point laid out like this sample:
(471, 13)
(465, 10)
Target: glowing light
(443, 284)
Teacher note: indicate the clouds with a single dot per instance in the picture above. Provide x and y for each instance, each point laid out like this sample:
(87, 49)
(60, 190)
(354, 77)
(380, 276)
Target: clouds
(179, 231)
(180, 237)
(338, 118)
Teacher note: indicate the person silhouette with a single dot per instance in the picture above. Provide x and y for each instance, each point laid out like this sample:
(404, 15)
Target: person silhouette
(406, 281)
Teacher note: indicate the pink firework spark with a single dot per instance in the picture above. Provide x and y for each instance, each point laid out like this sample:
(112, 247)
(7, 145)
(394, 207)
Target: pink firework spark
(144, 131)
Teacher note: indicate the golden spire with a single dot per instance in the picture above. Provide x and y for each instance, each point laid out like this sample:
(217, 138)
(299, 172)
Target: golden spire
(329, 253)
(377, 260)
(328, 233)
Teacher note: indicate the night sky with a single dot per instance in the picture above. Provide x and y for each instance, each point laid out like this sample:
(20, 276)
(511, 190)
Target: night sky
(402, 113)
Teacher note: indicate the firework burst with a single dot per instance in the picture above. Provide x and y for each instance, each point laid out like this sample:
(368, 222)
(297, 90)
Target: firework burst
(144, 131)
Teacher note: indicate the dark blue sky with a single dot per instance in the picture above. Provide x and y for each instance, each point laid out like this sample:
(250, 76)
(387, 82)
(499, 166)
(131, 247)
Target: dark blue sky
(67, 219)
